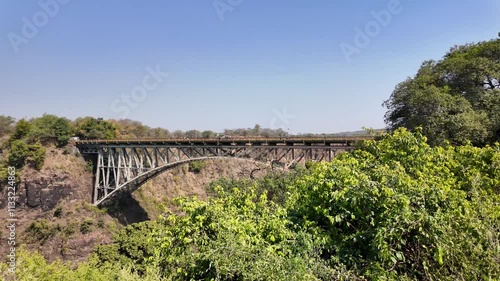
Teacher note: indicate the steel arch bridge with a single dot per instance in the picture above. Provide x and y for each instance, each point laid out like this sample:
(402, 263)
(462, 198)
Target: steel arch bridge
(126, 164)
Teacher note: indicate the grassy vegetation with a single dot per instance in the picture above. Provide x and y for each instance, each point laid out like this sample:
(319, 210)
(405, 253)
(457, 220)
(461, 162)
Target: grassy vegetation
(86, 226)
(40, 231)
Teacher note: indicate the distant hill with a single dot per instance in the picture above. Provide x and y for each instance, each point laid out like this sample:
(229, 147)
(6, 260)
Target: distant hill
(345, 134)
(358, 133)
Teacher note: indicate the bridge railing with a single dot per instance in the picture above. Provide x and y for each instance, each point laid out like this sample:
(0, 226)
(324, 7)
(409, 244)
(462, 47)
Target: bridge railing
(228, 139)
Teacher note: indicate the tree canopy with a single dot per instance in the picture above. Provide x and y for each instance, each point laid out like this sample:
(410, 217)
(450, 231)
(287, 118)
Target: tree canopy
(95, 128)
(455, 99)
(51, 129)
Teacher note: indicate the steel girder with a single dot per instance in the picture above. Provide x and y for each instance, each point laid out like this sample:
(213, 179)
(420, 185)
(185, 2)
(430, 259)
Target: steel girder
(120, 167)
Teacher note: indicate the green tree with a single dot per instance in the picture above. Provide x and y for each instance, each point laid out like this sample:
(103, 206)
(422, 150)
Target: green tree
(22, 153)
(207, 134)
(50, 129)
(193, 134)
(6, 125)
(158, 133)
(129, 129)
(92, 128)
(256, 130)
(63, 131)
(22, 130)
(178, 134)
(19, 152)
(36, 156)
(454, 99)
(134, 244)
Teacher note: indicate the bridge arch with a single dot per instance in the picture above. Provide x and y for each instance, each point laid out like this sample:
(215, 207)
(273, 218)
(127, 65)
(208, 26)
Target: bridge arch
(136, 182)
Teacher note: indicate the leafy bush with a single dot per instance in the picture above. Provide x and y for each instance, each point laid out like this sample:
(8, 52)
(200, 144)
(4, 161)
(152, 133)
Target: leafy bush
(21, 131)
(236, 236)
(36, 157)
(399, 208)
(309, 164)
(32, 266)
(58, 212)
(4, 175)
(40, 231)
(19, 152)
(63, 131)
(274, 185)
(100, 223)
(132, 245)
(70, 229)
(22, 153)
(86, 226)
(196, 166)
(89, 166)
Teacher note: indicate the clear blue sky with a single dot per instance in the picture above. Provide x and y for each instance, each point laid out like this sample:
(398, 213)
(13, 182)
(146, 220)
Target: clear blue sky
(246, 67)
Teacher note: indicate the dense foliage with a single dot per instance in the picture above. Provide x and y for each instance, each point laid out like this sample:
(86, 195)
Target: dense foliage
(23, 149)
(395, 209)
(22, 153)
(92, 128)
(50, 129)
(400, 209)
(455, 99)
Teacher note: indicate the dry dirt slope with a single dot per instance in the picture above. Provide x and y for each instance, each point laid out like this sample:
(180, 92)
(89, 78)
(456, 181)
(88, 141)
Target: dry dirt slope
(56, 217)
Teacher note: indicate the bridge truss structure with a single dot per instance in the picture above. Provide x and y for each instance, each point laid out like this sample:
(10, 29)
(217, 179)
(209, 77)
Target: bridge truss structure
(123, 165)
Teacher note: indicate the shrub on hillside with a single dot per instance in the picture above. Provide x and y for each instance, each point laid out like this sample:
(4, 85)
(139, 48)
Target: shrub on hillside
(36, 156)
(86, 226)
(21, 130)
(40, 231)
(19, 152)
(196, 166)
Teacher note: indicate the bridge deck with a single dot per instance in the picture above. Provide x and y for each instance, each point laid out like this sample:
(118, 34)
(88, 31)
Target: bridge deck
(226, 141)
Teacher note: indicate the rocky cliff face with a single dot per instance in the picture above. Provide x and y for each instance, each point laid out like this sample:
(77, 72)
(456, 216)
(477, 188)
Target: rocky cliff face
(46, 191)
(63, 176)
(51, 205)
